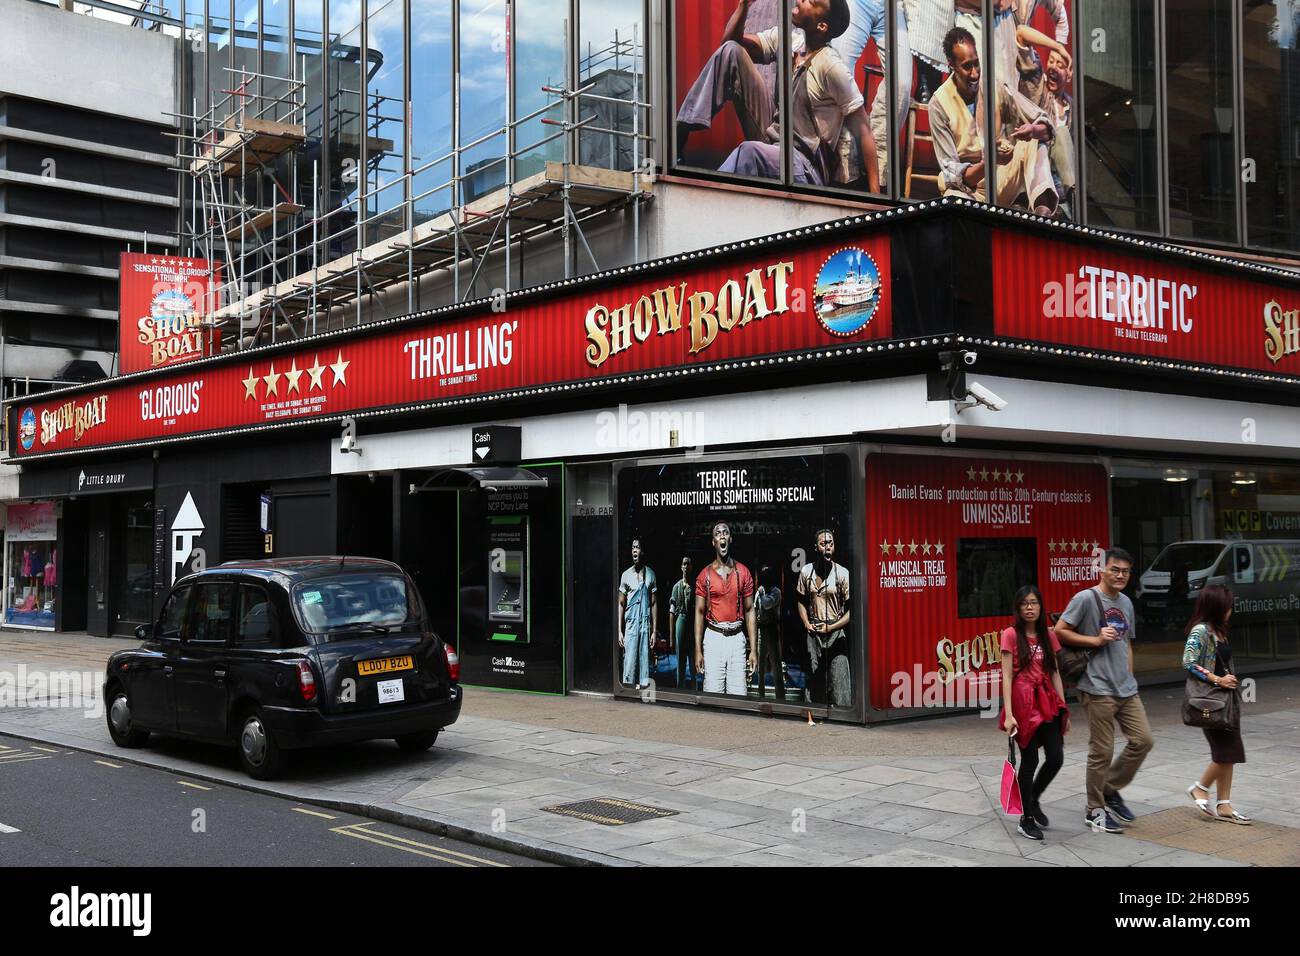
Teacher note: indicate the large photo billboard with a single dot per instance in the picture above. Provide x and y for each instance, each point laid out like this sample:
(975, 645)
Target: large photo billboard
(949, 542)
(736, 577)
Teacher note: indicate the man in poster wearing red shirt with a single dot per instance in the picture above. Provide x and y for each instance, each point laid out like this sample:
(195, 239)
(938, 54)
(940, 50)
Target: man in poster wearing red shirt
(725, 624)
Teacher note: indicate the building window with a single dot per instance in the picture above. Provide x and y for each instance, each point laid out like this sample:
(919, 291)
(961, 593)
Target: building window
(1271, 91)
(1032, 76)
(1188, 527)
(484, 48)
(1119, 135)
(1200, 117)
(432, 132)
(541, 31)
(385, 120)
(732, 64)
(611, 60)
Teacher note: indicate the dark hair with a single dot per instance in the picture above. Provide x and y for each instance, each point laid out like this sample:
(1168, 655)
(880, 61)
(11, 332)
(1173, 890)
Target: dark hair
(837, 19)
(1114, 553)
(1023, 654)
(767, 576)
(1212, 607)
(954, 36)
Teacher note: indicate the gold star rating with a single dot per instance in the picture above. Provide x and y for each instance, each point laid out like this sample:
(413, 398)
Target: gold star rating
(1008, 474)
(293, 375)
(938, 548)
(912, 546)
(898, 547)
(272, 382)
(1096, 546)
(316, 371)
(884, 548)
(1051, 546)
(970, 473)
(250, 386)
(1074, 545)
(926, 548)
(1020, 476)
(997, 475)
(984, 474)
(339, 368)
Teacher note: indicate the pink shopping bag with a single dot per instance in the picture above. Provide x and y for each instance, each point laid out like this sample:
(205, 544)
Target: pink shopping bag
(1011, 802)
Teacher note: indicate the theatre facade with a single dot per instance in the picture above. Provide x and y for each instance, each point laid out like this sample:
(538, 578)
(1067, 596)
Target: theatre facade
(898, 418)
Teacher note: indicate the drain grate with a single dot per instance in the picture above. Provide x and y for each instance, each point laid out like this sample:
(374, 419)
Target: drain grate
(610, 811)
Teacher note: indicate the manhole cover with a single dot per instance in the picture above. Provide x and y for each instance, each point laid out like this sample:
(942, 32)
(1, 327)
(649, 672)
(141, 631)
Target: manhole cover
(610, 811)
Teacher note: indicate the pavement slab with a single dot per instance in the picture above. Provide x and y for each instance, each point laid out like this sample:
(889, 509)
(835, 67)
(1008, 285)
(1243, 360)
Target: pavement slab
(748, 791)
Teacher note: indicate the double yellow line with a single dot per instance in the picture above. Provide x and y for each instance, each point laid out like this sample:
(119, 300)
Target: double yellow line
(362, 831)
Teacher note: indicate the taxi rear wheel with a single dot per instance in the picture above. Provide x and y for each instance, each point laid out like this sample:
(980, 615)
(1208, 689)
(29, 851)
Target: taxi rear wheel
(417, 742)
(258, 751)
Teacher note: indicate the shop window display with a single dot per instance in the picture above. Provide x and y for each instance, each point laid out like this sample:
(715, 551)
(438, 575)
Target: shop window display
(756, 557)
(31, 565)
(1189, 527)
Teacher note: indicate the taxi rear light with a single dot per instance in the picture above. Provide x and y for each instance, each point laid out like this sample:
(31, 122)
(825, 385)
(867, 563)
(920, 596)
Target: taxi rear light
(453, 662)
(306, 681)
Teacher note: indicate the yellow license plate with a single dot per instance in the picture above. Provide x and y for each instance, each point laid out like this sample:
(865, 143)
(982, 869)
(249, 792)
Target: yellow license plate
(385, 665)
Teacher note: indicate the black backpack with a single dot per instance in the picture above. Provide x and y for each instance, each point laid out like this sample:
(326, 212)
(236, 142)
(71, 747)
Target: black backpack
(1073, 661)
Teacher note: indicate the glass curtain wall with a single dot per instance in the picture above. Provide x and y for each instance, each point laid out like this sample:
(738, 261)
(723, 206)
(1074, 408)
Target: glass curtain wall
(1120, 158)
(1271, 93)
(1200, 100)
(385, 119)
(484, 75)
(309, 67)
(611, 60)
(220, 56)
(275, 55)
(432, 127)
(541, 40)
(1033, 82)
(347, 67)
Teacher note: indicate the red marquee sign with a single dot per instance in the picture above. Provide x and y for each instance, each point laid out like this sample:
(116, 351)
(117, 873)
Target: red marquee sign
(769, 302)
(161, 304)
(949, 541)
(1098, 298)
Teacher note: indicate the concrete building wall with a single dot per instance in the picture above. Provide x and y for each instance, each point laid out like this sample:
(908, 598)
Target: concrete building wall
(62, 57)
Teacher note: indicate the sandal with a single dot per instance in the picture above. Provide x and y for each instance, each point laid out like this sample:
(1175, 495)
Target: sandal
(1233, 817)
(1202, 804)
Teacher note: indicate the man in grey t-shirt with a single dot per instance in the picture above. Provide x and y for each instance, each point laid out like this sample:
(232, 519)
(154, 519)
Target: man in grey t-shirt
(1101, 619)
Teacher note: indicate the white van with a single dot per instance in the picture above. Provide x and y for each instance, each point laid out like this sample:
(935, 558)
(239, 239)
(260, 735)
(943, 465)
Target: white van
(1264, 576)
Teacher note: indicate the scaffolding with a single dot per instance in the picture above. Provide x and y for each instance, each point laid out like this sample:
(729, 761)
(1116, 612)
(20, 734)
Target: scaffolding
(283, 277)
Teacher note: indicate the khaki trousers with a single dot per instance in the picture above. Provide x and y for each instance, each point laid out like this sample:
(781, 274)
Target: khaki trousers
(1105, 777)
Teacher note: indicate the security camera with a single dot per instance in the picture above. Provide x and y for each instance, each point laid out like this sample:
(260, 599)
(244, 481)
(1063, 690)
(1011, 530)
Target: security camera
(980, 395)
(970, 358)
(348, 439)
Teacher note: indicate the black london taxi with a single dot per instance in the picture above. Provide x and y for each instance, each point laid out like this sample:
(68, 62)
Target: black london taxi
(284, 654)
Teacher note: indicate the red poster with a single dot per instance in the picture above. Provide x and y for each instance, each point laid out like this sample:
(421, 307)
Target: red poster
(162, 301)
(767, 303)
(1099, 298)
(949, 542)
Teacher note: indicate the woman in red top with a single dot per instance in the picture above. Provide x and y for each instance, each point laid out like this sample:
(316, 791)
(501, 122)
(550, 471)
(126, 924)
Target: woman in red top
(1034, 710)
